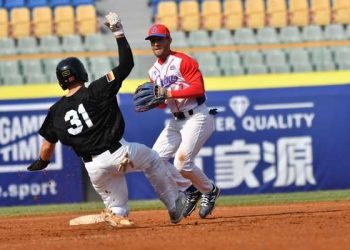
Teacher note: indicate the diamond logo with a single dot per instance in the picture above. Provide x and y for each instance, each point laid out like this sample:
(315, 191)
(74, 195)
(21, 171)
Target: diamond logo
(239, 105)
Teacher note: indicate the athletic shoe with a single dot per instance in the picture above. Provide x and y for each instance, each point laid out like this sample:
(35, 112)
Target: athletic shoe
(192, 197)
(114, 220)
(208, 202)
(176, 214)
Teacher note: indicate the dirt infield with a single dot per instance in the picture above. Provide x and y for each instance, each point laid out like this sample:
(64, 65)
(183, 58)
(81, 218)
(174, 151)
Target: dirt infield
(324, 225)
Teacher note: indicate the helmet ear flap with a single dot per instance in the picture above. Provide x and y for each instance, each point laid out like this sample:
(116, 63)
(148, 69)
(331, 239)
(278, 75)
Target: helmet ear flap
(86, 76)
(63, 85)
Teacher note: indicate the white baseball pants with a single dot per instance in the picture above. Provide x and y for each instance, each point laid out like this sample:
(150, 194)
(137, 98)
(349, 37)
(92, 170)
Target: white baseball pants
(184, 138)
(111, 184)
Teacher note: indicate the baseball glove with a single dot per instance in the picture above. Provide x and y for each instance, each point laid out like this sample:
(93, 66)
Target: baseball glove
(148, 96)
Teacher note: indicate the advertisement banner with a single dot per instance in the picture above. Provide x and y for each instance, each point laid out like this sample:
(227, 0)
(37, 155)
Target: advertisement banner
(265, 140)
(20, 143)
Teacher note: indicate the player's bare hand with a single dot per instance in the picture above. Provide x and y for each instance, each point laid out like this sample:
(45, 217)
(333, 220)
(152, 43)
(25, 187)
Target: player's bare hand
(114, 23)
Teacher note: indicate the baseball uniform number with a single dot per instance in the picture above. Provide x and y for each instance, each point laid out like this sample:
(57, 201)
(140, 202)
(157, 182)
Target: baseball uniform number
(77, 124)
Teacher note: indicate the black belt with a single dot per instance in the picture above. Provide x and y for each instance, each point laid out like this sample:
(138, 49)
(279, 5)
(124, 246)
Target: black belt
(183, 115)
(88, 158)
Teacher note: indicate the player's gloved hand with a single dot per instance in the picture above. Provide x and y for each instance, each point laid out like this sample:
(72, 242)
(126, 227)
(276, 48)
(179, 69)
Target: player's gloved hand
(38, 165)
(161, 92)
(114, 23)
(148, 96)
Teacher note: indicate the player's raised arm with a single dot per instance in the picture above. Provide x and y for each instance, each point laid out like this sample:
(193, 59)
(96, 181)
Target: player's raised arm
(126, 61)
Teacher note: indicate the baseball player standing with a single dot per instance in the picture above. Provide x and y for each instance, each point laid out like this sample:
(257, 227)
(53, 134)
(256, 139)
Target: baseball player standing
(193, 123)
(89, 120)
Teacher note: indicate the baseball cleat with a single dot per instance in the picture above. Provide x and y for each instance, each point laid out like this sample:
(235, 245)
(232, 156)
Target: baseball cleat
(176, 214)
(208, 202)
(192, 197)
(114, 220)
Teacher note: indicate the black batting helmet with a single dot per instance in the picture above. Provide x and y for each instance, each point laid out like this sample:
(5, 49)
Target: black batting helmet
(70, 70)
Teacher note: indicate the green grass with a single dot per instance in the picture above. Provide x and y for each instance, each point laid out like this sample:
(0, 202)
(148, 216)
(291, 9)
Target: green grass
(268, 199)
(237, 200)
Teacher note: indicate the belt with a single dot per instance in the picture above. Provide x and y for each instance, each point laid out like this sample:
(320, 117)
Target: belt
(183, 115)
(88, 158)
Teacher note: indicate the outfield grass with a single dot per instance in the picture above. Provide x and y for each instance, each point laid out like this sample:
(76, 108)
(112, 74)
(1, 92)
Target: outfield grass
(237, 200)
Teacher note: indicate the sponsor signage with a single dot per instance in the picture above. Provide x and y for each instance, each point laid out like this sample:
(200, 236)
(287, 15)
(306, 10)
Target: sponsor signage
(19, 146)
(265, 141)
(268, 140)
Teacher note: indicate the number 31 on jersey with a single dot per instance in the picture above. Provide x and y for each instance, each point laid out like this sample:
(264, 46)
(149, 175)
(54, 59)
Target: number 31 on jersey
(77, 124)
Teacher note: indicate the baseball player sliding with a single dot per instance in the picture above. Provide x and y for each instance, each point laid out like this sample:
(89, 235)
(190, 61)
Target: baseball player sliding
(176, 81)
(89, 120)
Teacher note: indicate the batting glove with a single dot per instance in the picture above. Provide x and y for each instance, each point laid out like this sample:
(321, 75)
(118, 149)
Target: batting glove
(38, 165)
(114, 23)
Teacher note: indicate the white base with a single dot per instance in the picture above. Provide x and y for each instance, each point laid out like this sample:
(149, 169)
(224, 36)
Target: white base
(86, 220)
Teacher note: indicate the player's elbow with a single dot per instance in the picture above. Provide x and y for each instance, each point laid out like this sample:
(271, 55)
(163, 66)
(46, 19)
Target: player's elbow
(126, 68)
(201, 92)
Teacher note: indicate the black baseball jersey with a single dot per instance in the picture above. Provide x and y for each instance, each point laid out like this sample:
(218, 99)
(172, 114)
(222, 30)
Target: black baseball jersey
(90, 121)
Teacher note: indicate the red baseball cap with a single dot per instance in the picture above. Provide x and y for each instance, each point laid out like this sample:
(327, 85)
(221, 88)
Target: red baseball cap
(158, 30)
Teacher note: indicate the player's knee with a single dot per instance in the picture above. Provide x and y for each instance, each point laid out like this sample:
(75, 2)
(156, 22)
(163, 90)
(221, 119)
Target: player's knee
(158, 158)
(178, 167)
(179, 163)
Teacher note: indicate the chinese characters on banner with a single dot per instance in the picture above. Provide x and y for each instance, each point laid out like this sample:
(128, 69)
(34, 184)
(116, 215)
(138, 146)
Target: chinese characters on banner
(270, 140)
(290, 162)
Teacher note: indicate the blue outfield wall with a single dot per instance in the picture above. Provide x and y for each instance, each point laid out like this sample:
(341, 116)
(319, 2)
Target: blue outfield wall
(265, 141)
(19, 146)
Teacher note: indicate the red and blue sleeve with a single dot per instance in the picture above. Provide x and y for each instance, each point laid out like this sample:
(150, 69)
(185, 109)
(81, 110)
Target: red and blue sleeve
(192, 75)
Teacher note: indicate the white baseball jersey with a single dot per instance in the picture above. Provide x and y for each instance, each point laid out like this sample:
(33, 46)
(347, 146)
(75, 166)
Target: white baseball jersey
(180, 74)
(183, 138)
